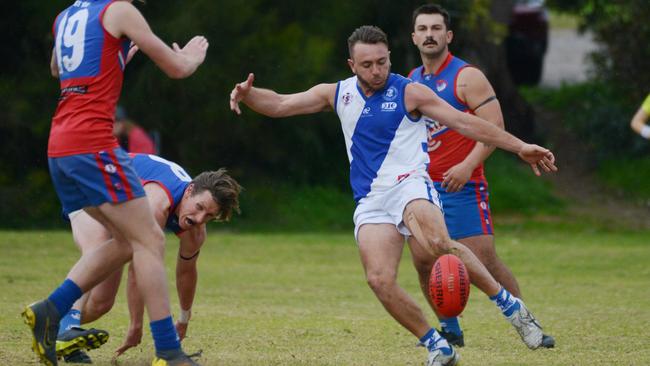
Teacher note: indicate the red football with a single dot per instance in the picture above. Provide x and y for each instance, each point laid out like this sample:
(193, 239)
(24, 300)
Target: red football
(449, 285)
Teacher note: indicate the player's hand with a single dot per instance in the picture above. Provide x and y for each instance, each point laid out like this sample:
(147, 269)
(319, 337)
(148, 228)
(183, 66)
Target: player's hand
(538, 157)
(181, 329)
(133, 338)
(133, 49)
(195, 49)
(454, 179)
(240, 92)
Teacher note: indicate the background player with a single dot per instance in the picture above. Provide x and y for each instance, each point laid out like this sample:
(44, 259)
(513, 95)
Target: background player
(90, 171)
(456, 166)
(180, 204)
(638, 123)
(386, 142)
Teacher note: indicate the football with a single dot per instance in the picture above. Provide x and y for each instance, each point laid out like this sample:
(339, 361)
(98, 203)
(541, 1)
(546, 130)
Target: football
(449, 285)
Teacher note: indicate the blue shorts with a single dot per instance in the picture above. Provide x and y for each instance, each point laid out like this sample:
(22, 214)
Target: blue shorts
(467, 212)
(93, 179)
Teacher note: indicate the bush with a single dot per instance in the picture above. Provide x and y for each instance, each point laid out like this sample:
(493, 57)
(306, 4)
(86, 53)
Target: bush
(515, 189)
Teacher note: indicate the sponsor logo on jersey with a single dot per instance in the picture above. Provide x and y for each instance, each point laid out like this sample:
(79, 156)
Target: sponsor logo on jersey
(110, 168)
(388, 106)
(390, 94)
(346, 98)
(441, 85)
(366, 112)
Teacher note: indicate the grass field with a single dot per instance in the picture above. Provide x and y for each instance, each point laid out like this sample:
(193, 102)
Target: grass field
(301, 299)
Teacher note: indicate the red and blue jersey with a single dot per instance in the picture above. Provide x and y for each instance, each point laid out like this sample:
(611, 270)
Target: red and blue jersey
(169, 176)
(91, 65)
(446, 146)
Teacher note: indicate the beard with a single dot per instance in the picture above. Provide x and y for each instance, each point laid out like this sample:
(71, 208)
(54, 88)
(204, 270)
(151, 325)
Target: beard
(377, 85)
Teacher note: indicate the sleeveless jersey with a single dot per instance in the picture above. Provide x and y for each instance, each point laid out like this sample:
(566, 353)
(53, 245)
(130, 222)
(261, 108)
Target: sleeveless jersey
(91, 64)
(446, 146)
(384, 144)
(168, 175)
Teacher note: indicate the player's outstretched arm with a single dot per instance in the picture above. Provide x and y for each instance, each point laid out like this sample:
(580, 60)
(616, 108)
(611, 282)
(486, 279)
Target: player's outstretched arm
(269, 103)
(420, 98)
(474, 89)
(136, 314)
(187, 275)
(123, 19)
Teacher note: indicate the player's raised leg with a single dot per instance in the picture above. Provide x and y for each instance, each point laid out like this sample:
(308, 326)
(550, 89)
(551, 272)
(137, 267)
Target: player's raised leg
(380, 248)
(427, 226)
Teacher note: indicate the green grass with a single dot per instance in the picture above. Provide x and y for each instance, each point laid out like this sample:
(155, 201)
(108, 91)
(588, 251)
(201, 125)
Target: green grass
(301, 299)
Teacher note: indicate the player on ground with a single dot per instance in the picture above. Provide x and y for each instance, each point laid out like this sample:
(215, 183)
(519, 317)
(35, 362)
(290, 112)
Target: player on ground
(456, 162)
(180, 204)
(90, 171)
(640, 119)
(386, 140)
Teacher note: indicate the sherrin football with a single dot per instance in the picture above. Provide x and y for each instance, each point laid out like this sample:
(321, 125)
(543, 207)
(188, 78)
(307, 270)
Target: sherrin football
(449, 285)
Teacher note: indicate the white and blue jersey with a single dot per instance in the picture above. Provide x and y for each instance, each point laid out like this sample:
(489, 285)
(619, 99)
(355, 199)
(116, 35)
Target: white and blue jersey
(385, 145)
(169, 176)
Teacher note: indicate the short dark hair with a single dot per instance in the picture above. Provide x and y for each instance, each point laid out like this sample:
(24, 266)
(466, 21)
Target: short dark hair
(224, 189)
(432, 9)
(368, 34)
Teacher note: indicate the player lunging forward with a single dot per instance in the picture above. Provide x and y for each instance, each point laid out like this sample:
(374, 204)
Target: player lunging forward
(456, 166)
(386, 143)
(90, 171)
(180, 204)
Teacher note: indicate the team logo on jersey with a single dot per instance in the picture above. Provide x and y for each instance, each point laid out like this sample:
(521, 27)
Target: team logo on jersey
(346, 98)
(433, 128)
(366, 112)
(388, 106)
(390, 94)
(110, 168)
(441, 85)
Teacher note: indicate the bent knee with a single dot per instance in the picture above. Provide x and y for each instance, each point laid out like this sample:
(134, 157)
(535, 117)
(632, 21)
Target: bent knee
(441, 245)
(99, 307)
(381, 282)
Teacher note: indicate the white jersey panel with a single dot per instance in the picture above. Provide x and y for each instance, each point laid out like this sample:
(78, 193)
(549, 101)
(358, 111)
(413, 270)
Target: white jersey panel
(384, 145)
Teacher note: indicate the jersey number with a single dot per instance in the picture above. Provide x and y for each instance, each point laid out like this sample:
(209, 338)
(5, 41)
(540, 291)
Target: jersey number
(176, 169)
(71, 34)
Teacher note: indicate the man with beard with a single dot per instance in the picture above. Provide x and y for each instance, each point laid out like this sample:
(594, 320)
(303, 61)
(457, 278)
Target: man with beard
(456, 166)
(386, 142)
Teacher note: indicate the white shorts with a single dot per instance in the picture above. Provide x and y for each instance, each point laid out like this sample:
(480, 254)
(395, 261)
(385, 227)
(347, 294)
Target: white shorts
(388, 207)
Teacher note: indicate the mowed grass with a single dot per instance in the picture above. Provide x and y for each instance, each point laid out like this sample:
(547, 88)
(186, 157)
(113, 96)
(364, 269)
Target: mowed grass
(301, 299)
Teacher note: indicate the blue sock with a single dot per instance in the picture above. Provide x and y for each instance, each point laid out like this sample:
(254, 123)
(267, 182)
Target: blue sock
(164, 334)
(64, 296)
(70, 320)
(432, 340)
(451, 325)
(506, 302)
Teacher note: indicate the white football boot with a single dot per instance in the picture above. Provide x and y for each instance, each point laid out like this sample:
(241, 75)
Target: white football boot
(437, 358)
(527, 326)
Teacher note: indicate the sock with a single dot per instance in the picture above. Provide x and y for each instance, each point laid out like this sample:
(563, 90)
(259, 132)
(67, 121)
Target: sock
(451, 325)
(433, 341)
(165, 337)
(70, 320)
(506, 302)
(64, 296)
